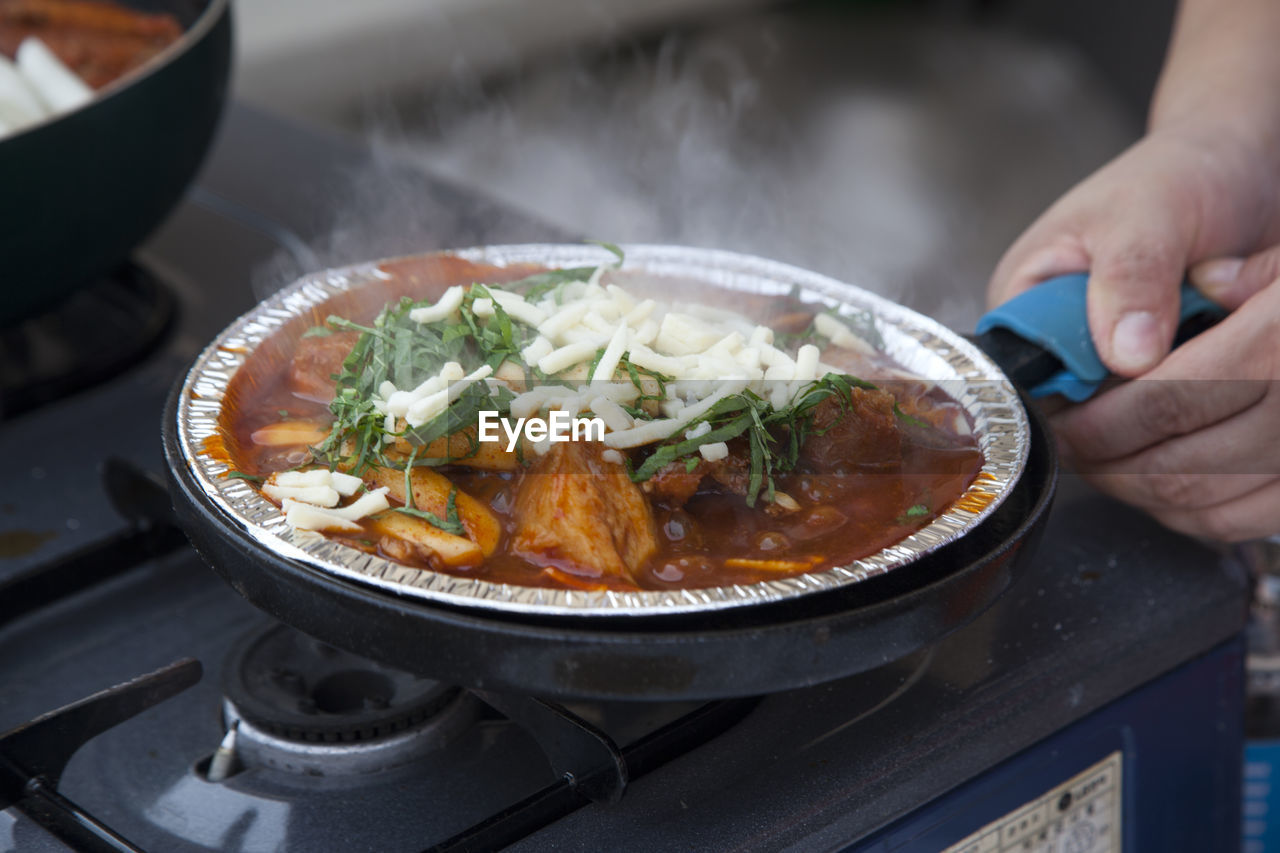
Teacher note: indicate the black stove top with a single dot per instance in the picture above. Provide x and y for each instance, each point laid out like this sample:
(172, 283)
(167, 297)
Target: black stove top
(96, 589)
(94, 335)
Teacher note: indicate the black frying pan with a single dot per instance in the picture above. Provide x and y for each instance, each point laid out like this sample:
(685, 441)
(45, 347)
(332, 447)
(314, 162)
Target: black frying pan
(760, 648)
(745, 651)
(80, 191)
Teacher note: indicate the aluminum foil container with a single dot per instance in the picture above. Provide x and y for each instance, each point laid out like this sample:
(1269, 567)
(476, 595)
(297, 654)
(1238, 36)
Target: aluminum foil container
(917, 343)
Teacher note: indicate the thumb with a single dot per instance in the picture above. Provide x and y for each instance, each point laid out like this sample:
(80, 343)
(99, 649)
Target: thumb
(1230, 281)
(1133, 302)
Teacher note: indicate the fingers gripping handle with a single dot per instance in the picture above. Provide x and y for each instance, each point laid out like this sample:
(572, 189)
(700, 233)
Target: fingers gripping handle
(1052, 318)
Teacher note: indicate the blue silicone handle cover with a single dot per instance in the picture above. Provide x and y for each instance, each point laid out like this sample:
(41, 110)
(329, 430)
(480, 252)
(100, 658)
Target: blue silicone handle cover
(1053, 315)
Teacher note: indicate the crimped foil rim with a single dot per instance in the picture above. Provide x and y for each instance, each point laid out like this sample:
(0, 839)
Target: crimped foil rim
(915, 341)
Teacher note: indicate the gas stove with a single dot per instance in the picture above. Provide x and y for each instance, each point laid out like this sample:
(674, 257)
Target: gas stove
(1096, 707)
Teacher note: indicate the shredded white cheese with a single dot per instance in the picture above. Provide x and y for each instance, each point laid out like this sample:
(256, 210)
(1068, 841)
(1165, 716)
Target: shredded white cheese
(612, 356)
(310, 499)
(318, 477)
(367, 504)
(565, 318)
(535, 351)
(681, 334)
(567, 356)
(613, 415)
(345, 484)
(806, 362)
(715, 451)
(642, 356)
(648, 432)
(840, 334)
(303, 516)
(449, 302)
(704, 353)
(433, 404)
(699, 431)
(315, 495)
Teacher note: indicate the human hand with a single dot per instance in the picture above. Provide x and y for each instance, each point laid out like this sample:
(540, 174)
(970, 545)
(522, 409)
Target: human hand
(1170, 202)
(1195, 440)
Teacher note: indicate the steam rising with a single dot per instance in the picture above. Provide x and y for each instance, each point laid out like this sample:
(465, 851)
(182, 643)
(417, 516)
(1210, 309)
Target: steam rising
(899, 158)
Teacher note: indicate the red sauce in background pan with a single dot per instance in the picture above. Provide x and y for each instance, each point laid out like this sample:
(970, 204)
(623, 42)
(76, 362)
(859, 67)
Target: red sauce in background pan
(100, 41)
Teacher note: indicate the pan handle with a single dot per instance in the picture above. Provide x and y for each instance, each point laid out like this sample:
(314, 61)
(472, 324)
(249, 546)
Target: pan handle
(1041, 339)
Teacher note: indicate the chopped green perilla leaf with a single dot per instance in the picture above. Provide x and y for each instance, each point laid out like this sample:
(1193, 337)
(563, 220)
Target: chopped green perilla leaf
(451, 523)
(909, 419)
(240, 475)
(614, 249)
(318, 332)
(540, 284)
(398, 349)
(637, 375)
(408, 479)
(774, 436)
(595, 362)
(914, 514)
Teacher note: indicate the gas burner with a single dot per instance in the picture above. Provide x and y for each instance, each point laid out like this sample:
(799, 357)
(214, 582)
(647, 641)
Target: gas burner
(300, 705)
(252, 746)
(92, 335)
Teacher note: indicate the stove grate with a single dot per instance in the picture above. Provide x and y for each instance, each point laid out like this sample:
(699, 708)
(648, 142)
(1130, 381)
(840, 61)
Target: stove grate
(33, 755)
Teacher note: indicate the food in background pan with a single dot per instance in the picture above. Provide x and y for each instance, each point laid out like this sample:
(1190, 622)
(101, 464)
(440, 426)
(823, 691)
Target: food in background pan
(55, 53)
(702, 444)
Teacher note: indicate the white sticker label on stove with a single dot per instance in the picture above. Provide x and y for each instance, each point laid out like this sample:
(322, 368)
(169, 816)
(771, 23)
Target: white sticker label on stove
(1082, 815)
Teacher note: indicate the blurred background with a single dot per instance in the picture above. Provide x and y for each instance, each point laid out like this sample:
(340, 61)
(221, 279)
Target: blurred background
(900, 145)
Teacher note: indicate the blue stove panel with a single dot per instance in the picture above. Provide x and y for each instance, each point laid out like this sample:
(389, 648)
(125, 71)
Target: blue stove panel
(1169, 754)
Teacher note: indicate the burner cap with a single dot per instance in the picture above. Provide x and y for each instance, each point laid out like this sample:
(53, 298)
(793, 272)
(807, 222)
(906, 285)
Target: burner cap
(298, 688)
